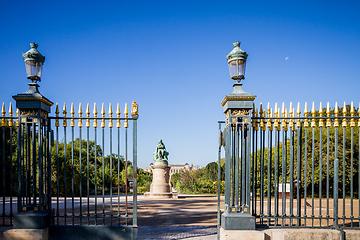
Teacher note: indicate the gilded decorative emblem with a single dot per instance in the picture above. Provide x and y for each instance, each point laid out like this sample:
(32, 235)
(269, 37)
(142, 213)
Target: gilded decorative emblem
(134, 108)
(240, 112)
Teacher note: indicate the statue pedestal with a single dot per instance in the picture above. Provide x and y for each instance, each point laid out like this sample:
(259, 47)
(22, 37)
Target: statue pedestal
(160, 187)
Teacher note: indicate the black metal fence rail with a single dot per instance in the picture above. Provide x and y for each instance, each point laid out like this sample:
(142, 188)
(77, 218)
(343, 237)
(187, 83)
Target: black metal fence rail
(85, 166)
(88, 170)
(305, 170)
(8, 173)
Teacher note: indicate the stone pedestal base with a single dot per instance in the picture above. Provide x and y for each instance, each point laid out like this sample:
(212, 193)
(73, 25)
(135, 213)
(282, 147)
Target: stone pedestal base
(237, 221)
(31, 220)
(161, 195)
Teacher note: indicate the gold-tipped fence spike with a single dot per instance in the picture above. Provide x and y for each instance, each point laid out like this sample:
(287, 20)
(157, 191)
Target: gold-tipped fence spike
(344, 122)
(126, 116)
(313, 113)
(87, 112)
(306, 114)
(118, 123)
(291, 114)
(95, 116)
(17, 117)
(298, 112)
(80, 115)
(261, 113)
(72, 113)
(254, 115)
(57, 124)
(328, 120)
(64, 114)
(103, 115)
(3, 112)
(269, 121)
(321, 121)
(284, 121)
(352, 113)
(276, 121)
(336, 111)
(110, 115)
(11, 123)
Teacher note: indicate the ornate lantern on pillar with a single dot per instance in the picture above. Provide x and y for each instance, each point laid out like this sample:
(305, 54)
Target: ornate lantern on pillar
(237, 107)
(33, 158)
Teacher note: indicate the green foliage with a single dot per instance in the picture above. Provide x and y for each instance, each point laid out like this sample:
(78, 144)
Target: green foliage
(144, 180)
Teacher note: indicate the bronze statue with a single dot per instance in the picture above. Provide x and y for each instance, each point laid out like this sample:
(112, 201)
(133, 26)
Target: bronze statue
(160, 153)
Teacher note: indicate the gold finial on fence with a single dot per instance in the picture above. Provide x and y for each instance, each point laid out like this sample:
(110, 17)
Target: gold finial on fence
(126, 115)
(306, 114)
(352, 113)
(276, 121)
(321, 121)
(291, 112)
(72, 113)
(64, 113)
(336, 111)
(80, 115)
(344, 122)
(313, 113)
(269, 121)
(57, 112)
(261, 113)
(298, 112)
(284, 121)
(134, 108)
(110, 115)
(3, 112)
(118, 123)
(87, 115)
(17, 117)
(103, 116)
(11, 123)
(257, 120)
(328, 120)
(95, 116)
(254, 115)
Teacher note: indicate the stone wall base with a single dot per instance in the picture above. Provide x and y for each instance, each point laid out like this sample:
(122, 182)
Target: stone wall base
(288, 234)
(25, 234)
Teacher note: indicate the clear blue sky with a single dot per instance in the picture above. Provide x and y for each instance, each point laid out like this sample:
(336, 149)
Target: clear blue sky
(169, 56)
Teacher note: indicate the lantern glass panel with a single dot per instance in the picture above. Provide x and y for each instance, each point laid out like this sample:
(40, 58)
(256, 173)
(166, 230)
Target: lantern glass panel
(33, 69)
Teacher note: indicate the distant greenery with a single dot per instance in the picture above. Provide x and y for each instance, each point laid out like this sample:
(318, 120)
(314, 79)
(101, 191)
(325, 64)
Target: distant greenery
(200, 181)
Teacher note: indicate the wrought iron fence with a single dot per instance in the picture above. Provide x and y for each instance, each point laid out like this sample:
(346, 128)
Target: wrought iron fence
(87, 185)
(302, 170)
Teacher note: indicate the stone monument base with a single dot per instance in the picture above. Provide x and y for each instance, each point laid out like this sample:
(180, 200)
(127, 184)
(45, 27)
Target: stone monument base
(150, 195)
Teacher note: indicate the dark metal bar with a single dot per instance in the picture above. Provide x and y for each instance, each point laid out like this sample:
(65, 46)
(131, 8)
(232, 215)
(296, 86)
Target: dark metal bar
(313, 174)
(96, 217)
(135, 173)
(11, 173)
(65, 189)
(87, 173)
(19, 134)
(103, 174)
(237, 159)
(253, 179)
(126, 180)
(283, 168)
(298, 175)
(327, 177)
(3, 172)
(291, 175)
(320, 175)
(219, 183)
(269, 177)
(248, 164)
(277, 159)
(344, 175)
(111, 172)
(80, 174)
(262, 152)
(118, 177)
(72, 177)
(336, 181)
(352, 177)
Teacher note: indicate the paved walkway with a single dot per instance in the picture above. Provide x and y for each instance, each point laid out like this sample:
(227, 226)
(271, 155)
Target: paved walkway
(189, 217)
